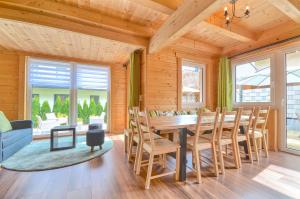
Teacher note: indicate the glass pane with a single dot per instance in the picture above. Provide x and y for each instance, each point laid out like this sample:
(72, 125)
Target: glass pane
(192, 85)
(50, 83)
(92, 83)
(253, 81)
(293, 100)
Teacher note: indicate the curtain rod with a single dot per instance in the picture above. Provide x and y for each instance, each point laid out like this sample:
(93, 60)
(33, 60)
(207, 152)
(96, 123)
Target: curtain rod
(266, 46)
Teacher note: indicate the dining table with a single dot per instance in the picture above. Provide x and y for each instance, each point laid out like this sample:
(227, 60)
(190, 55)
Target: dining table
(183, 123)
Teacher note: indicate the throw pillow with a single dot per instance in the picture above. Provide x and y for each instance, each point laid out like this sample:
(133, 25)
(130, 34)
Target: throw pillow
(4, 123)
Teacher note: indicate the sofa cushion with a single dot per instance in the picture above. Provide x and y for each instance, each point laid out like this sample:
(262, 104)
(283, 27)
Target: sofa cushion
(15, 147)
(14, 136)
(4, 123)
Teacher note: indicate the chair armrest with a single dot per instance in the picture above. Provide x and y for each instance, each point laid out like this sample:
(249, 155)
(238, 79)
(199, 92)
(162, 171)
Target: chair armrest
(21, 124)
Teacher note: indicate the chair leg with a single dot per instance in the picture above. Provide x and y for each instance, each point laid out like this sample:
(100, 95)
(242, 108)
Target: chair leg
(126, 143)
(137, 156)
(198, 165)
(130, 147)
(265, 143)
(215, 159)
(249, 149)
(92, 148)
(235, 155)
(221, 159)
(148, 179)
(177, 164)
(139, 159)
(193, 158)
(239, 160)
(256, 149)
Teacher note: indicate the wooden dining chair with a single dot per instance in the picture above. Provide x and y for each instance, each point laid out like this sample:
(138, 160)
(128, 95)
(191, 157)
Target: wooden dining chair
(154, 147)
(133, 131)
(128, 132)
(246, 122)
(207, 121)
(259, 130)
(227, 133)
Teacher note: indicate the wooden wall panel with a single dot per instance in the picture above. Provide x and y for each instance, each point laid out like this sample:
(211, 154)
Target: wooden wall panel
(118, 98)
(9, 83)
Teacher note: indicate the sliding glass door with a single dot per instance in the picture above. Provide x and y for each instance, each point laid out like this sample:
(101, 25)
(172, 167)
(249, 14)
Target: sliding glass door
(92, 95)
(64, 93)
(292, 106)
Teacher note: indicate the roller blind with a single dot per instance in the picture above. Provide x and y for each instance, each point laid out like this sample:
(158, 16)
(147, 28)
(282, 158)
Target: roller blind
(92, 77)
(49, 74)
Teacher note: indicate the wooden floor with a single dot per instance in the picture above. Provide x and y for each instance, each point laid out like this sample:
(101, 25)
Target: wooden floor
(111, 176)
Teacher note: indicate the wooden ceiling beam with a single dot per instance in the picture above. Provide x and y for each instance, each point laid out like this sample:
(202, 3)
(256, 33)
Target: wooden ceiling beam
(40, 18)
(188, 15)
(291, 8)
(81, 15)
(279, 33)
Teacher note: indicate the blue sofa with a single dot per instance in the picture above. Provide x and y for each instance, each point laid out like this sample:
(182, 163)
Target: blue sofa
(12, 141)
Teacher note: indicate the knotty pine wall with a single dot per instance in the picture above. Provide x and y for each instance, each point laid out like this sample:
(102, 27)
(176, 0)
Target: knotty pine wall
(161, 83)
(9, 84)
(12, 88)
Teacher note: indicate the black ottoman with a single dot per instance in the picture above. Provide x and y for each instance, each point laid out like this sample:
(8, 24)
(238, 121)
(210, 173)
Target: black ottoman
(95, 137)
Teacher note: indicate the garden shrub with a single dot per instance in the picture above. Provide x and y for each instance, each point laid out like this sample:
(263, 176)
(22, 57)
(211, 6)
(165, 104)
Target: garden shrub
(45, 109)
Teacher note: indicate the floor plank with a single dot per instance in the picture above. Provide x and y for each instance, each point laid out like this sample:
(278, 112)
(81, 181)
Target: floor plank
(111, 176)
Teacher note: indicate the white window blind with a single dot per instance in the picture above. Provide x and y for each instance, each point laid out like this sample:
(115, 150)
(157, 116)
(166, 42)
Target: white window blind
(49, 74)
(92, 77)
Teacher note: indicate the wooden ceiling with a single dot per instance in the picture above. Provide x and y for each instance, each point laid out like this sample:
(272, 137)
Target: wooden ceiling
(43, 40)
(108, 30)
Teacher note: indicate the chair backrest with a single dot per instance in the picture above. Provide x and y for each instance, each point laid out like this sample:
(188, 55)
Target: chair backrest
(207, 121)
(261, 117)
(143, 119)
(133, 124)
(230, 120)
(247, 116)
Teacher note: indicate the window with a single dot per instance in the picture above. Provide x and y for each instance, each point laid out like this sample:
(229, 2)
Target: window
(192, 84)
(64, 91)
(253, 81)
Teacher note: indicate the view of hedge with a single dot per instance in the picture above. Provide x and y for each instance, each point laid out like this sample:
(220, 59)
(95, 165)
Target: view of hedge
(61, 108)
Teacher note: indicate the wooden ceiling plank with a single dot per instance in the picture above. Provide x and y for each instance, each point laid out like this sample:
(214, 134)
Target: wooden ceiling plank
(152, 4)
(82, 15)
(291, 8)
(182, 20)
(15, 13)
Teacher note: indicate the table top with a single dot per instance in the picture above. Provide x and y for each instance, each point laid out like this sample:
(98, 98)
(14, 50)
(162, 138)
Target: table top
(185, 121)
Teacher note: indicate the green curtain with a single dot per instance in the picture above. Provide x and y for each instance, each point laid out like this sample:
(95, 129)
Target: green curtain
(225, 84)
(135, 78)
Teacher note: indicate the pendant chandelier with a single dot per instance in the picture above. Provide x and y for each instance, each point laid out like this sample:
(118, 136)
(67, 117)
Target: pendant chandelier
(229, 17)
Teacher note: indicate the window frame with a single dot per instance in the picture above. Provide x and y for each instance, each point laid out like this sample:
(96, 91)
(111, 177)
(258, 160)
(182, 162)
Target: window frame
(202, 66)
(73, 87)
(236, 62)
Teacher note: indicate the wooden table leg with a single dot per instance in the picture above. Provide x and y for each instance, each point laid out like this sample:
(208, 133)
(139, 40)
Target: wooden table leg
(182, 141)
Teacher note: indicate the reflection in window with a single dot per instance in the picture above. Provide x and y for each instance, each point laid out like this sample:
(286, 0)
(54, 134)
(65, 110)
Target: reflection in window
(192, 84)
(252, 81)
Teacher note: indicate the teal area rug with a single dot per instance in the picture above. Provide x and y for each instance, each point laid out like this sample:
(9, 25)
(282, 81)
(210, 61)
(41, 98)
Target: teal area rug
(37, 156)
